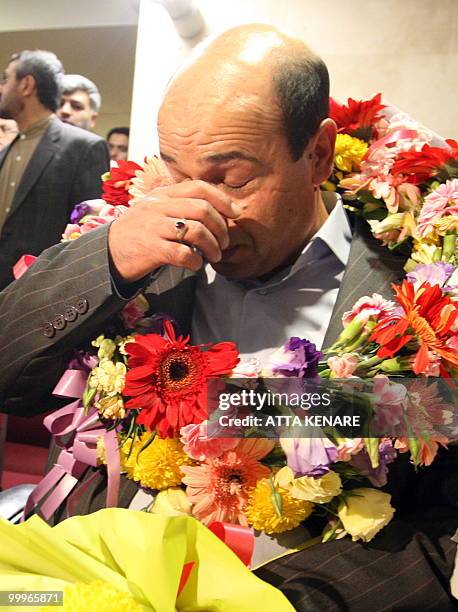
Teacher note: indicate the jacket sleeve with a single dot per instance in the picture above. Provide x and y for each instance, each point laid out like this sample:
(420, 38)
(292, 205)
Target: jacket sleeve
(61, 302)
(88, 182)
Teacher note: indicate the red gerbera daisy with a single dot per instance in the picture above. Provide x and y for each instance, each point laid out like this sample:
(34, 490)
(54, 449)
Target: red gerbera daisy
(418, 166)
(167, 379)
(356, 115)
(116, 187)
(428, 317)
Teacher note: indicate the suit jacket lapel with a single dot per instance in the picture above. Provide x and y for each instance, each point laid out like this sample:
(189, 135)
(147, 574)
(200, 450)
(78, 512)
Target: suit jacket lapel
(41, 157)
(371, 269)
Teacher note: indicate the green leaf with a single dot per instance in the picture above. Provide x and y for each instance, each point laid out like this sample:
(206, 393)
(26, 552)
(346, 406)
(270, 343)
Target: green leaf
(276, 499)
(147, 443)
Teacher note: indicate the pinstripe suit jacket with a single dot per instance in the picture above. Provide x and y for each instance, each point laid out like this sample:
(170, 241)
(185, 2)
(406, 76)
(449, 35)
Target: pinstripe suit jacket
(31, 362)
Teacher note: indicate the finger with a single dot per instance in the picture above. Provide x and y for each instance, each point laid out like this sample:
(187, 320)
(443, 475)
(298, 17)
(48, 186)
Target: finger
(182, 256)
(200, 190)
(201, 211)
(196, 235)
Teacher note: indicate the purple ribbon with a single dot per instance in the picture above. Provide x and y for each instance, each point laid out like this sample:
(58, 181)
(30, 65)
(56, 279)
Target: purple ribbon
(76, 433)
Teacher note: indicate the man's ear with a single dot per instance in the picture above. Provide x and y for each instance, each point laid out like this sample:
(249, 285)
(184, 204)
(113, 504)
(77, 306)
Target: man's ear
(94, 118)
(321, 151)
(27, 85)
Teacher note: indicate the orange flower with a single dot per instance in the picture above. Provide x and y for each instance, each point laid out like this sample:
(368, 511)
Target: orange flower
(219, 488)
(428, 448)
(427, 317)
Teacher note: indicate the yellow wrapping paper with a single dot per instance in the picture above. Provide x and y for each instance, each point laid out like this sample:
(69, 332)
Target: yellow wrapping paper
(139, 553)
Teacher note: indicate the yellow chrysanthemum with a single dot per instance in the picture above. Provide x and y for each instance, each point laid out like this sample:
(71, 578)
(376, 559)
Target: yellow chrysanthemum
(111, 407)
(108, 376)
(159, 465)
(106, 347)
(349, 152)
(96, 596)
(264, 514)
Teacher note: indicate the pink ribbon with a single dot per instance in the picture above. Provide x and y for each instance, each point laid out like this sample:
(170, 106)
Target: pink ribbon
(76, 433)
(239, 539)
(22, 265)
(391, 139)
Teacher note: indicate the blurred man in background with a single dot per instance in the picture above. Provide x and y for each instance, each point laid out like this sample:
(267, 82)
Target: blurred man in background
(8, 131)
(80, 103)
(48, 168)
(118, 143)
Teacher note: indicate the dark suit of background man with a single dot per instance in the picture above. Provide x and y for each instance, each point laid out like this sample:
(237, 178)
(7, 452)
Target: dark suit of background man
(49, 167)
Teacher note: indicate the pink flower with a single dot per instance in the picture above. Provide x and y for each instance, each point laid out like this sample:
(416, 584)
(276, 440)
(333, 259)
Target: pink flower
(71, 232)
(134, 311)
(348, 448)
(198, 446)
(153, 174)
(343, 366)
(95, 206)
(249, 368)
(440, 202)
(92, 223)
(390, 402)
(367, 308)
(219, 488)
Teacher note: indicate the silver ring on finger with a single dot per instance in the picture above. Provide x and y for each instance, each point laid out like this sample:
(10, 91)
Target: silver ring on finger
(181, 229)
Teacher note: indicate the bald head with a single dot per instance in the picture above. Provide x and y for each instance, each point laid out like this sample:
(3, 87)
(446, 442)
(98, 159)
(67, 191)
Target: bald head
(257, 60)
(247, 114)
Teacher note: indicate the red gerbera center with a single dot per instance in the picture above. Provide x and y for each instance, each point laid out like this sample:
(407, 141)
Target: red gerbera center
(167, 379)
(180, 371)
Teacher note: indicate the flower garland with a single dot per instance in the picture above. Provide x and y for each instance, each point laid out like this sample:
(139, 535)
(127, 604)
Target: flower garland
(151, 388)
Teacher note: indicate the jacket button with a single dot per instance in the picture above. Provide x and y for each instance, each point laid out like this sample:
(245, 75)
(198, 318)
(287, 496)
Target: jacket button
(59, 322)
(81, 305)
(70, 314)
(48, 330)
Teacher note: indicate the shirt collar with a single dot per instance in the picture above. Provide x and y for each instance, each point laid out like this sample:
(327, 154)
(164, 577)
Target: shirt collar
(336, 232)
(36, 128)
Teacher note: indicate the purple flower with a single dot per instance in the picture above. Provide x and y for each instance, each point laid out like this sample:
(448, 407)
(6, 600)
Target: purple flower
(297, 357)
(435, 274)
(83, 361)
(79, 212)
(309, 456)
(377, 476)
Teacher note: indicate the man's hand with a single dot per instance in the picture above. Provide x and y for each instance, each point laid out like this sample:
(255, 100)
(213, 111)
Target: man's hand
(145, 237)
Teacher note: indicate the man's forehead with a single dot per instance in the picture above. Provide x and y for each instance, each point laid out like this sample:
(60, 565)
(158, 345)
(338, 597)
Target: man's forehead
(77, 94)
(207, 117)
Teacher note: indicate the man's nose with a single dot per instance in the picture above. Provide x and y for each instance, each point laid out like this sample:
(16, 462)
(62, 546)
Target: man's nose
(65, 109)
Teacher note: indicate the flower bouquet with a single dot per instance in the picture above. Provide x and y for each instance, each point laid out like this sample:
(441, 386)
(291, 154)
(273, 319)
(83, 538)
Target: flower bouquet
(120, 560)
(141, 398)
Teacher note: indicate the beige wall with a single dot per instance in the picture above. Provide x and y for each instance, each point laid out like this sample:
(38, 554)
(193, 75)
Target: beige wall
(407, 49)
